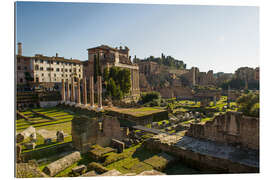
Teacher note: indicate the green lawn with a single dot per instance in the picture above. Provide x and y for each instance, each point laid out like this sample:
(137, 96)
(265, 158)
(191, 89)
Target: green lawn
(62, 122)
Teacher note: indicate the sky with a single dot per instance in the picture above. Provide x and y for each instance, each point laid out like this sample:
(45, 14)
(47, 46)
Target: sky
(218, 38)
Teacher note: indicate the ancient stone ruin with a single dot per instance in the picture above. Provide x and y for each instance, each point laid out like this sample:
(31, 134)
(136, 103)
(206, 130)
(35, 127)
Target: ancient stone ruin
(231, 128)
(99, 130)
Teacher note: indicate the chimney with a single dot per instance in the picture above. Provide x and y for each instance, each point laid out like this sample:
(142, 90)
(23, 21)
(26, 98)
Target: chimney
(19, 48)
(56, 55)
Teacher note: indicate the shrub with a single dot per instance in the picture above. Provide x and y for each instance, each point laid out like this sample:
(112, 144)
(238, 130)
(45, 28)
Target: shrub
(150, 96)
(249, 104)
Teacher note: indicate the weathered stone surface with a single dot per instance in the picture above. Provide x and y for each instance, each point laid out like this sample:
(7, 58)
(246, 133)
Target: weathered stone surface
(18, 153)
(79, 169)
(25, 134)
(89, 174)
(96, 167)
(89, 131)
(160, 161)
(30, 145)
(119, 145)
(206, 155)
(151, 173)
(60, 136)
(230, 128)
(112, 172)
(28, 170)
(61, 164)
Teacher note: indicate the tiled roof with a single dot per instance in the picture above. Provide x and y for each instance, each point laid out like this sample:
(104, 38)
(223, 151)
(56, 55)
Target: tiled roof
(60, 59)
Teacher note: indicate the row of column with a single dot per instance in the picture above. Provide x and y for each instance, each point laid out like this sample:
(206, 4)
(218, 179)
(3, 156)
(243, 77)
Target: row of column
(69, 98)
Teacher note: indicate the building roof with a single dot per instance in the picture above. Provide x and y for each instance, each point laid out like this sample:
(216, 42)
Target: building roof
(104, 47)
(61, 59)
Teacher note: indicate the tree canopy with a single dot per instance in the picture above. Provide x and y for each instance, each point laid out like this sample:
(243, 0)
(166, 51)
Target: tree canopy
(117, 81)
(165, 60)
(249, 104)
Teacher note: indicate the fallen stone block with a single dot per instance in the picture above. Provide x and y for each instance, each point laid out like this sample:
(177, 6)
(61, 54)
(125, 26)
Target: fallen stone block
(30, 146)
(97, 167)
(151, 173)
(113, 172)
(119, 145)
(25, 134)
(79, 169)
(89, 174)
(61, 164)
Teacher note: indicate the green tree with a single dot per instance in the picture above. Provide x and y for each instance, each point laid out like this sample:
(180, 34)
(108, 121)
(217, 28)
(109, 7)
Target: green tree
(97, 68)
(118, 82)
(249, 104)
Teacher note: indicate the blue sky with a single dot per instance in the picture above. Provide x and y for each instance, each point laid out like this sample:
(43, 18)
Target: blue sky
(219, 38)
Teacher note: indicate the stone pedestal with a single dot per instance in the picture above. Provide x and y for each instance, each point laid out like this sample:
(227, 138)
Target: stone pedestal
(84, 92)
(91, 91)
(99, 89)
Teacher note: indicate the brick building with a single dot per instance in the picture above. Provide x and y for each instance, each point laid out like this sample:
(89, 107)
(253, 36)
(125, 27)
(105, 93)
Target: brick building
(110, 57)
(44, 69)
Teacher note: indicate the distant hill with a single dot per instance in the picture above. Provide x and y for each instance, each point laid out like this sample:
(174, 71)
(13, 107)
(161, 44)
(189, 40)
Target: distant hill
(164, 60)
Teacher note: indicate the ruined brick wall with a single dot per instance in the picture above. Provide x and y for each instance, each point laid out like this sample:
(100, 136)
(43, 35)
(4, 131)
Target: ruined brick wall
(181, 92)
(89, 131)
(230, 128)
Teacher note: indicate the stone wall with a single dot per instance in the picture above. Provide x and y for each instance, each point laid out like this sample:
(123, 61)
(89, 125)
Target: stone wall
(230, 128)
(199, 154)
(129, 120)
(99, 130)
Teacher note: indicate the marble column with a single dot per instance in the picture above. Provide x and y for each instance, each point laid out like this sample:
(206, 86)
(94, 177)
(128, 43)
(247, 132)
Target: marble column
(72, 99)
(215, 100)
(63, 91)
(79, 92)
(99, 89)
(68, 93)
(84, 92)
(91, 91)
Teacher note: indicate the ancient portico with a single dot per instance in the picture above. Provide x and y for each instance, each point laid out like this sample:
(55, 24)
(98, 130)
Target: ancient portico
(71, 95)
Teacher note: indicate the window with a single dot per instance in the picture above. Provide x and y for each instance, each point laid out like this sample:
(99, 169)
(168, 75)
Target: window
(51, 69)
(62, 75)
(54, 79)
(21, 80)
(66, 70)
(41, 68)
(36, 60)
(49, 75)
(54, 75)
(62, 70)
(19, 67)
(70, 70)
(25, 68)
(66, 75)
(74, 69)
(79, 75)
(36, 67)
(41, 61)
(48, 62)
(57, 69)
(70, 75)
(42, 74)
(79, 70)
(57, 62)
(48, 69)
